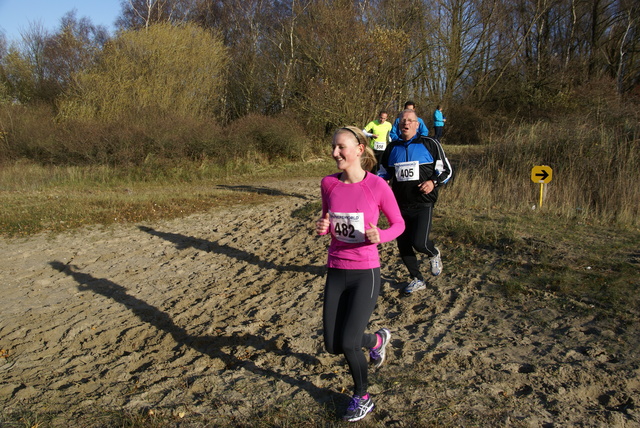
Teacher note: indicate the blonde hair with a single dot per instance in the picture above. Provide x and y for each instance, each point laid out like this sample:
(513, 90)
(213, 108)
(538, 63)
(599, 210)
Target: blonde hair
(368, 159)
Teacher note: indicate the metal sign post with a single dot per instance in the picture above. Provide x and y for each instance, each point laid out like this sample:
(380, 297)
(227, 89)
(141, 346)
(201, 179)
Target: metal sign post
(541, 174)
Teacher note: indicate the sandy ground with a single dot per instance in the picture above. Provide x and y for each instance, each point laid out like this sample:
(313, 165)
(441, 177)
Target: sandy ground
(218, 316)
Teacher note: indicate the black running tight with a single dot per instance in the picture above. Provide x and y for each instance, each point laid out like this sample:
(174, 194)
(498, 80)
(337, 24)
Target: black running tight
(416, 236)
(349, 300)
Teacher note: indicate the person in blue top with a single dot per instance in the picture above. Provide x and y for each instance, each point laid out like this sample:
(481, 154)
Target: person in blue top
(416, 167)
(438, 122)
(394, 134)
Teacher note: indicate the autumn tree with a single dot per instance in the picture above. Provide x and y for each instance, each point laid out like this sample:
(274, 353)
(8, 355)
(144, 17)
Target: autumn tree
(23, 66)
(164, 68)
(347, 68)
(40, 67)
(71, 50)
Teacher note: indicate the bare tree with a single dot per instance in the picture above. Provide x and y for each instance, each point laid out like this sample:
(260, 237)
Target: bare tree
(347, 66)
(73, 48)
(144, 13)
(24, 66)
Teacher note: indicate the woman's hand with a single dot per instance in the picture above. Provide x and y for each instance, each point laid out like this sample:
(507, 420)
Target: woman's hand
(373, 234)
(322, 225)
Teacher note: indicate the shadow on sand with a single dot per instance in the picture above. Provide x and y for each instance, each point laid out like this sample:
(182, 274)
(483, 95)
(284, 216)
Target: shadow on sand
(262, 191)
(206, 345)
(183, 241)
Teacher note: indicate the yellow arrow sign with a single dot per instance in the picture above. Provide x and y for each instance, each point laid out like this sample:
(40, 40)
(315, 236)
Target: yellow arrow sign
(541, 174)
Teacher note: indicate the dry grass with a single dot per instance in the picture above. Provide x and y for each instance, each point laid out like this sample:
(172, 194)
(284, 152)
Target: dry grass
(38, 199)
(472, 214)
(595, 173)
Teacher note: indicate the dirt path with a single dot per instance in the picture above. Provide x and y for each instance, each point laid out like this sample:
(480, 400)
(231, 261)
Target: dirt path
(219, 314)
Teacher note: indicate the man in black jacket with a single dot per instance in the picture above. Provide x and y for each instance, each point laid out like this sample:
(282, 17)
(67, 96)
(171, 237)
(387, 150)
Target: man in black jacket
(416, 166)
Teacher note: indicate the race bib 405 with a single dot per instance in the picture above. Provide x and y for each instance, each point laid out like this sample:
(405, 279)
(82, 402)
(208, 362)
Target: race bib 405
(407, 171)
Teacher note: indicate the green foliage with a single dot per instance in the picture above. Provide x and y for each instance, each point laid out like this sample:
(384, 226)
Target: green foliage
(165, 68)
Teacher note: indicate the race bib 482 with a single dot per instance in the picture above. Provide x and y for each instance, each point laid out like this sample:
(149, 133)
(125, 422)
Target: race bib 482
(347, 227)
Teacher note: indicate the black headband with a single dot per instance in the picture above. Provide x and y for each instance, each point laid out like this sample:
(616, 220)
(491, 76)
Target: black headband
(355, 135)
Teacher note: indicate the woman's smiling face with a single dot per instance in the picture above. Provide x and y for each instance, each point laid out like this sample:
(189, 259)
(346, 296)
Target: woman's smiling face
(346, 150)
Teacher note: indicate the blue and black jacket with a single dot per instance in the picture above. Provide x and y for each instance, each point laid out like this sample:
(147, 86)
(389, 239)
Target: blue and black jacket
(433, 165)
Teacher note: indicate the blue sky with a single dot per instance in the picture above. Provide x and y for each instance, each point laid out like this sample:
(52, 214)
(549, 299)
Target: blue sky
(16, 15)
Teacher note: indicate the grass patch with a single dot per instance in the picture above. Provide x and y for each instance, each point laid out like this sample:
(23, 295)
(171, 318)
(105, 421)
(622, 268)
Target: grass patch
(38, 199)
(533, 253)
(541, 250)
(25, 418)
(525, 251)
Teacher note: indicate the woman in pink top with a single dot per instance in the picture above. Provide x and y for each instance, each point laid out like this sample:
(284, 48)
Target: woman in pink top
(351, 204)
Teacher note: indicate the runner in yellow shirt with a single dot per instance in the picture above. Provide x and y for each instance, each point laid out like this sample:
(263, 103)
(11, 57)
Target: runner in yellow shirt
(378, 130)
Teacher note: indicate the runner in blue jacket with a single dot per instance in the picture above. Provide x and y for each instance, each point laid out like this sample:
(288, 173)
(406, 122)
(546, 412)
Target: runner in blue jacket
(416, 167)
(394, 134)
(438, 122)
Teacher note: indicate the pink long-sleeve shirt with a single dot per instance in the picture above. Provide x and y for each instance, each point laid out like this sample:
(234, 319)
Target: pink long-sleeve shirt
(352, 206)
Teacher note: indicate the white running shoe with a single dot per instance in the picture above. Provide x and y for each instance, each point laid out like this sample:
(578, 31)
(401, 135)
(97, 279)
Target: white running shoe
(378, 355)
(358, 408)
(414, 285)
(436, 264)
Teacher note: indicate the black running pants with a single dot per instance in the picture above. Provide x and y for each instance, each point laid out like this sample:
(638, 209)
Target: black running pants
(349, 300)
(417, 219)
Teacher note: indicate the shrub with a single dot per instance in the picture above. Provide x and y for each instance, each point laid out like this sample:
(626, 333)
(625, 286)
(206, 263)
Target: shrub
(33, 133)
(464, 125)
(166, 68)
(267, 138)
(27, 132)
